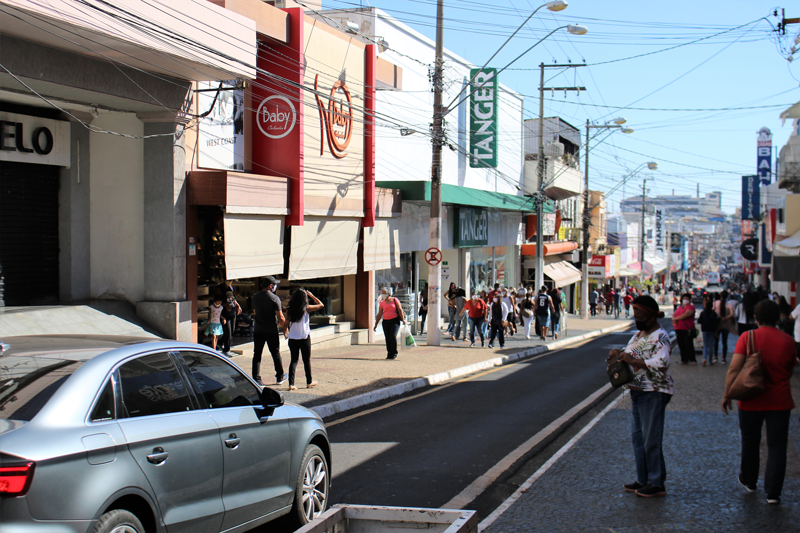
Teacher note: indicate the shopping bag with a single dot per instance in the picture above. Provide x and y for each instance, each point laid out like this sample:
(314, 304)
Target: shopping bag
(406, 339)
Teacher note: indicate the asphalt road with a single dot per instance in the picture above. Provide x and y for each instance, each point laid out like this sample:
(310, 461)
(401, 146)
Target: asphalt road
(425, 449)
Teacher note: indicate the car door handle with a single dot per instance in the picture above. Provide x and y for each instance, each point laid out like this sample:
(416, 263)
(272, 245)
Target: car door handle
(233, 441)
(158, 456)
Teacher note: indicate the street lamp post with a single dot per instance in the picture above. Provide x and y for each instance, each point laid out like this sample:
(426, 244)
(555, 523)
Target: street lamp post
(617, 124)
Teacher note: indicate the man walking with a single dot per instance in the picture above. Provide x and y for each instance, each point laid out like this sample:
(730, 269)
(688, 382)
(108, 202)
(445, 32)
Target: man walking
(269, 320)
(593, 301)
(544, 310)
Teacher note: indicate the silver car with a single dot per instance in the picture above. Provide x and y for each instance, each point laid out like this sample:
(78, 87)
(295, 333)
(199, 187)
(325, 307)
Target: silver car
(116, 434)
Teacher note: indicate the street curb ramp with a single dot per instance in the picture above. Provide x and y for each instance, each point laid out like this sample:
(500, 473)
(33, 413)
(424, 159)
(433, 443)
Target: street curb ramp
(368, 398)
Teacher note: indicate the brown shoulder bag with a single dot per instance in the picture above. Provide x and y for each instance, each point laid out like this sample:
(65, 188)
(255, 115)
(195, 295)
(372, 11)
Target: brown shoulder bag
(749, 382)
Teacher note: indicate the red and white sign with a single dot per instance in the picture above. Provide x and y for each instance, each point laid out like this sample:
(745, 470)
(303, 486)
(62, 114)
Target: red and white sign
(433, 256)
(276, 116)
(602, 266)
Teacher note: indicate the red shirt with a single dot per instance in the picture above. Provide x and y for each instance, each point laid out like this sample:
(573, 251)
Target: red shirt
(627, 299)
(475, 308)
(686, 323)
(777, 359)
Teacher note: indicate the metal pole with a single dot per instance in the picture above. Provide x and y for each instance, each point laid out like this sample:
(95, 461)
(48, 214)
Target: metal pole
(435, 275)
(540, 189)
(585, 254)
(642, 243)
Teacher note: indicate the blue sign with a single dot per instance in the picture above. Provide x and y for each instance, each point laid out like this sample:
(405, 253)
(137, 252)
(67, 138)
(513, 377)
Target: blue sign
(765, 164)
(750, 197)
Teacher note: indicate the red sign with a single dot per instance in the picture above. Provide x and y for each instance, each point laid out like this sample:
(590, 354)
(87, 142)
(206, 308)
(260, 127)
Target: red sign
(276, 116)
(433, 256)
(335, 122)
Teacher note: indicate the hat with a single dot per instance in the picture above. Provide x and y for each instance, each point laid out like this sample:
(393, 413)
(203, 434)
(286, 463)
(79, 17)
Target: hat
(270, 280)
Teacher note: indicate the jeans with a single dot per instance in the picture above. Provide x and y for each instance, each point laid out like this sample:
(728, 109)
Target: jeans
(227, 334)
(555, 320)
(297, 347)
(686, 346)
(475, 324)
(750, 423)
(647, 434)
(593, 308)
(497, 331)
(422, 328)
(709, 341)
(451, 312)
(461, 324)
(274, 344)
(485, 328)
(391, 328)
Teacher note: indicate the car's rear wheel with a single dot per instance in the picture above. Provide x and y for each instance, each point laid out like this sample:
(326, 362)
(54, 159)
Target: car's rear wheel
(311, 490)
(119, 521)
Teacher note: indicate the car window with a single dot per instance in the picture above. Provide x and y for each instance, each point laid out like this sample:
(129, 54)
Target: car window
(28, 382)
(104, 408)
(220, 384)
(151, 385)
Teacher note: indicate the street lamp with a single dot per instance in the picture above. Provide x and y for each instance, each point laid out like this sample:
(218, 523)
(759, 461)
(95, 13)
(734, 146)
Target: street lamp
(616, 124)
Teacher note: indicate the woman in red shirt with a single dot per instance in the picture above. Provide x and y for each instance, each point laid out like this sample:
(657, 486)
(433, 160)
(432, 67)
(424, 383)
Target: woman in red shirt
(476, 308)
(773, 406)
(683, 324)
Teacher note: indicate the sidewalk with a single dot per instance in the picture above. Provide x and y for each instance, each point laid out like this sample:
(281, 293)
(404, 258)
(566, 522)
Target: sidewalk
(354, 376)
(582, 488)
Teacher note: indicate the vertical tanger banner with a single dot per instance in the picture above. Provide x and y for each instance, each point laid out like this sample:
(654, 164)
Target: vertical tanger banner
(750, 197)
(764, 156)
(483, 118)
(659, 231)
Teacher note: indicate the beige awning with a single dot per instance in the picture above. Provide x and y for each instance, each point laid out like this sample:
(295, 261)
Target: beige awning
(562, 273)
(253, 245)
(382, 244)
(323, 247)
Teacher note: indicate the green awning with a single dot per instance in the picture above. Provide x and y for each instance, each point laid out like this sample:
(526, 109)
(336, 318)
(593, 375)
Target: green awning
(420, 191)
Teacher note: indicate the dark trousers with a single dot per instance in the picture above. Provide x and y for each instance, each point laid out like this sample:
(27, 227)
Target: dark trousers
(476, 324)
(593, 308)
(423, 317)
(722, 335)
(647, 434)
(497, 331)
(391, 328)
(296, 348)
(686, 346)
(227, 334)
(274, 345)
(750, 423)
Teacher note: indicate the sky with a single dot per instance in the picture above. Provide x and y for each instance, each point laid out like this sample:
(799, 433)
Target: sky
(684, 104)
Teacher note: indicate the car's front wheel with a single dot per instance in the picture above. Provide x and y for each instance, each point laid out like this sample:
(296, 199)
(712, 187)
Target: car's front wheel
(119, 521)
(311, 490)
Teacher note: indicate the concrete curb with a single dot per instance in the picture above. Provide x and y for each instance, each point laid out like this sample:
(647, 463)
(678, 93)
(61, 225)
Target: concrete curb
(367, 398)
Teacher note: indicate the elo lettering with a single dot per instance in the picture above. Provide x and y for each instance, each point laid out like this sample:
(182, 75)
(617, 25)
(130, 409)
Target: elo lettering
(14, 130)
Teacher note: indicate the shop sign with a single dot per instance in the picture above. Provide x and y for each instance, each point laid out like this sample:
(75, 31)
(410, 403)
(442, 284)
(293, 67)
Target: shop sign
(276, 116)
(221, 143)
(659, 231)
(472, 227)
(764, 155)
(27, 139)
(750, 197)
(597, 267)
(483, 118)
(336, 121)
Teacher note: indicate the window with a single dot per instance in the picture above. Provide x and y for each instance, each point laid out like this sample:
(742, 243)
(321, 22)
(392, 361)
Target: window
(104, 408)
(151, 385)
(220, 384)
(28, 382)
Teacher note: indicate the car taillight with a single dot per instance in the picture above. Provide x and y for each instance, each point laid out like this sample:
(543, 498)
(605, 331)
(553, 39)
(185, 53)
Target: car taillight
(15, 479)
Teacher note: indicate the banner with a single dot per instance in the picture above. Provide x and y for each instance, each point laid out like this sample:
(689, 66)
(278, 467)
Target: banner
(750, 197)
(659, 233)
(764, 156)
(483, 118)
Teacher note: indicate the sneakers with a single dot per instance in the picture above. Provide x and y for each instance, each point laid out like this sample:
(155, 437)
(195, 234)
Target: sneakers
(633, 487)
(749, 488)
(502, 347)
(774, 500)
(481, 344)
(312, 384)
(292, 387)
(650, 491)
(490, 346)
(281, 379)
(471, 344)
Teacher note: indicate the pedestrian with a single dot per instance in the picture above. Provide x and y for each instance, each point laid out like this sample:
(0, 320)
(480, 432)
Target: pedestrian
(648, 352)
(796, 316)
(498, 310)
(230, 310)
(215, 321)
(476, 311)
(423, 307)
(460, 319)
(487, 301)
(726, 311)
(609, 300)
(526, 312)
(555, 318)
(745, 312)
(392, 314)
(269, 318)
(508, 299)
(628, 300)
(786, 322)
(298, 332)
(544, 309)
(683, 324)
(773, 406)
(450, 296)
(708, 320)
(593, 301)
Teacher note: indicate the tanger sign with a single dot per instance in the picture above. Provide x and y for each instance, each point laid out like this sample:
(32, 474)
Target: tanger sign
(335, 121)
(472, 228)
(483, 118)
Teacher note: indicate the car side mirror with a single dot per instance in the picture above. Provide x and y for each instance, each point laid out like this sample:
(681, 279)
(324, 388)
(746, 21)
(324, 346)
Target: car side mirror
(271, 399)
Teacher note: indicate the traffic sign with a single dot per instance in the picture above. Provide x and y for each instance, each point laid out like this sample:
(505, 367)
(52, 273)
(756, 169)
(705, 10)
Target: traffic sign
(433, 256)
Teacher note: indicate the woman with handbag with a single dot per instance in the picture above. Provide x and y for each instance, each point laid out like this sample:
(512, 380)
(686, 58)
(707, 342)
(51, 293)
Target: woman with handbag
(683, 324)
(423, 307)
(392, 314)
(526, 312)
(759, 377)
(651, 389)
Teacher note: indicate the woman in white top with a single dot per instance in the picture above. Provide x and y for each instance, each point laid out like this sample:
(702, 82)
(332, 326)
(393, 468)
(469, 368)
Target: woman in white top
(298, 331)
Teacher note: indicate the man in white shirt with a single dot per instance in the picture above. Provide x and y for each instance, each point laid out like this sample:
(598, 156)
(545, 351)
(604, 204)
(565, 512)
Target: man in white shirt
(795, 315)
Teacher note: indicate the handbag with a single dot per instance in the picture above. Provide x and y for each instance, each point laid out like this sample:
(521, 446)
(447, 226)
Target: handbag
(749, 382)
(693, 333)
(619, 373)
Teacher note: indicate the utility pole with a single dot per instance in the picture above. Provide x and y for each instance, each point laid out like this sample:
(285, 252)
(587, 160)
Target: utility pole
(435, 271)
(585, 254)
(642, 243)
(542, 168)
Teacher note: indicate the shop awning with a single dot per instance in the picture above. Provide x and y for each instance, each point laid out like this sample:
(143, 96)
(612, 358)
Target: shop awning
(630, 272)
(550, 248)
(562, 273)
(654, 264)
(324, 247)
(382, 244)
(253, 245)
